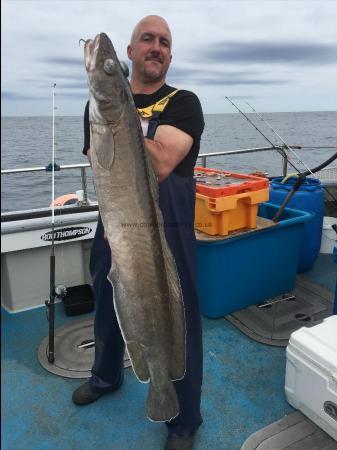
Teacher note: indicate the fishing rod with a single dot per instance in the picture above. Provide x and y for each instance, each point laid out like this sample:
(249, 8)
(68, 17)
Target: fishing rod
(51, 303)
(291, 149)
(55, 291)
(282, 140)
(300, 175)
(257, 129)
(58, 291)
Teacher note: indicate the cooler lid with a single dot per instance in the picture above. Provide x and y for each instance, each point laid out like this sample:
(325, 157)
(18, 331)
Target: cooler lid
(318, 343)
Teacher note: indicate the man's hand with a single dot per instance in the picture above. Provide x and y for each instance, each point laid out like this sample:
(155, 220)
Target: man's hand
(168, 149)
(89, 156)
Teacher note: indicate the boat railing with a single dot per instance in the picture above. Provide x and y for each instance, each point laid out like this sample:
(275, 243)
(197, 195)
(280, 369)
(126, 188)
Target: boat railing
(281, 150)
(84, 166)
(81, 166)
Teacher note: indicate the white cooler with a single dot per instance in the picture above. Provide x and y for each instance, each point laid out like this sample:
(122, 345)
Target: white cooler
(311, 373)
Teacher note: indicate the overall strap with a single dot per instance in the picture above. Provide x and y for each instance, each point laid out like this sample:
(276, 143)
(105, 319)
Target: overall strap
(153, 112)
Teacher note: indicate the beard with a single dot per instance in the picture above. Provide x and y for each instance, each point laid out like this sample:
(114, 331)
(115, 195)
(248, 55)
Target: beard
(153, 69)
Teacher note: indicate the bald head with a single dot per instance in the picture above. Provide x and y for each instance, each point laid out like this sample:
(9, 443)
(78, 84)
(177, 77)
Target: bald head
(151, 21)
(150, 53)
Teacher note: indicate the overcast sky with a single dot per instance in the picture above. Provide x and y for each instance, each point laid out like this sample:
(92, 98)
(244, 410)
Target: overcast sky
(278, 55)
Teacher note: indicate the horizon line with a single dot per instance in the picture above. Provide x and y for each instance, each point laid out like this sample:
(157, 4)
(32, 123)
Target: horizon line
(205, 114)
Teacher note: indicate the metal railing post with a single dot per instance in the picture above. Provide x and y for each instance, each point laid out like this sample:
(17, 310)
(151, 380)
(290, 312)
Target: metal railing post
(84, 186)
(203, 161)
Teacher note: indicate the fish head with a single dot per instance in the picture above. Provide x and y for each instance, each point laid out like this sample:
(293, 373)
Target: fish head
(106, 79)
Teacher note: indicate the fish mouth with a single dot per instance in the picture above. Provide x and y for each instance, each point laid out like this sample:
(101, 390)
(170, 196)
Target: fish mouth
(90, 52)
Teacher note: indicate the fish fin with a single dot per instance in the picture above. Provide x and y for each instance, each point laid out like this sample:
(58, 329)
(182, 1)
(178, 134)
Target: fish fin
(138, 361)
(177, 365)
(135, 349)
(153, 180)
(176, 305)
(103, 144)
(162, 404)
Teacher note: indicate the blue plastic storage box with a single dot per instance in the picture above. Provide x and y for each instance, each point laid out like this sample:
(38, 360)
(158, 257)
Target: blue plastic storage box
(246, 269)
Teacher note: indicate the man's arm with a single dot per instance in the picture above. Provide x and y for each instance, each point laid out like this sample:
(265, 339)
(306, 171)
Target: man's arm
(168, 149)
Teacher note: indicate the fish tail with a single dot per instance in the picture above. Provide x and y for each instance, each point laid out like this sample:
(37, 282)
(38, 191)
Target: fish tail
(162, 404)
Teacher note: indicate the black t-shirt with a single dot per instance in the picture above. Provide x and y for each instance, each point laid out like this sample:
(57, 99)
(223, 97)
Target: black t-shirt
(183, 111)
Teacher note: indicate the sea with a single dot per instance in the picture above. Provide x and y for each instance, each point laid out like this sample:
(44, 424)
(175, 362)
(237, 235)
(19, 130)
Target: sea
(26, 142)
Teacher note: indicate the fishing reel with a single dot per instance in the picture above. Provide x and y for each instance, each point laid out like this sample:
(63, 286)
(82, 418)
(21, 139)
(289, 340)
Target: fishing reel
(60, 291)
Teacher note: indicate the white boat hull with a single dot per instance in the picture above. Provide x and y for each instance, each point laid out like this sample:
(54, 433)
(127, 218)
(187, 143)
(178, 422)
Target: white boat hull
(25, 257)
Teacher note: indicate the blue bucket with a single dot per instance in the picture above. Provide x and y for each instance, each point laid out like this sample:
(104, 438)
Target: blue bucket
(310, 198)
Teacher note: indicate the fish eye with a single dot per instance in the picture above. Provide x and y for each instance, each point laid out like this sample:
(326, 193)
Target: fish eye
(109, 66)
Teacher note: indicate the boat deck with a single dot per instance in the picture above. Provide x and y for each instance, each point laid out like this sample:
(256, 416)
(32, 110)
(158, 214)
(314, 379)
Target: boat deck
(243, 390)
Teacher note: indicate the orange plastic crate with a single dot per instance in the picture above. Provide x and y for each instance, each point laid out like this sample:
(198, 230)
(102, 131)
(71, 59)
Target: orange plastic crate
(220, 183)
(221, 215)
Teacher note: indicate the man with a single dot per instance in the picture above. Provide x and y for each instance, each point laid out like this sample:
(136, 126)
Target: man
(173, 141)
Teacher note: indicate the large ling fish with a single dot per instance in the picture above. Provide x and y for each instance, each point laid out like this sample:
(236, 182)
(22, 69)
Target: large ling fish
(147, 294)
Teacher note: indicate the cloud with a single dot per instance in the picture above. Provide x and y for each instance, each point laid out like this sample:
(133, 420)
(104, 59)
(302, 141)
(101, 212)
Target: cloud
(269, 52)
(283, 56)
(236, 81)
(221, 77)
(73, 95)
(75, 77)
(72, 85)
(63, 61)
(177, 72)
(242, 97)
(10, 95)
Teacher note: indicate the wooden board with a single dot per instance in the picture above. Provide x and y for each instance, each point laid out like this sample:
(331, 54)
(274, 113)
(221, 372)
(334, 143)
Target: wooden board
(261, 224)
